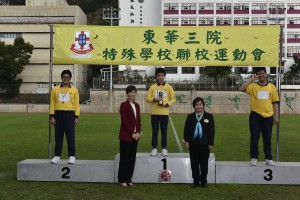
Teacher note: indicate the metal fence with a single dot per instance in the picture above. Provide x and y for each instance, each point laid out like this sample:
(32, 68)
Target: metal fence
(207, 84)
(203, 84)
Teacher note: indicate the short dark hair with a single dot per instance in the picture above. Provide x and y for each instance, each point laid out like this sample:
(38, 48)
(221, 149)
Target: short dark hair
(130, 88)
(197, 99)
(66, 72)
(160, 70)
(258, 69)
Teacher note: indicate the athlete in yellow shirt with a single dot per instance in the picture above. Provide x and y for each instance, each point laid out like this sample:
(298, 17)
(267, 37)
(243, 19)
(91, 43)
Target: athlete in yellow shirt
(161, 96)
(264, 113)
(64, 113)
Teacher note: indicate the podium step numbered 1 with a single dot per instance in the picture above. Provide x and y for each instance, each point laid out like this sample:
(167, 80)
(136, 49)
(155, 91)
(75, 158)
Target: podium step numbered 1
(154, 169)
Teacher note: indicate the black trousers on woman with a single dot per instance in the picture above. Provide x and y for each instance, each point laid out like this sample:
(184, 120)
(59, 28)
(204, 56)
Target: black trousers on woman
(199, 155)
(127, 160)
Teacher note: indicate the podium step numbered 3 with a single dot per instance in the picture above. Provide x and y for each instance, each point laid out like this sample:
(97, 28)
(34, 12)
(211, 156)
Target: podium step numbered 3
(173, 169)
(243, 173)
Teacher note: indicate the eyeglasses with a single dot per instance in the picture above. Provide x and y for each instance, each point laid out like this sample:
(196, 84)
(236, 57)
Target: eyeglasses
(67, 77)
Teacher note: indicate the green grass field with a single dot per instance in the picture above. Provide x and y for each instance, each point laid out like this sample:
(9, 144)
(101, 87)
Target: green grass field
(25, 136)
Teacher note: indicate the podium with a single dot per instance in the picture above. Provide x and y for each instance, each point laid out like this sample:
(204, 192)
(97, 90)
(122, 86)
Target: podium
(175, 168)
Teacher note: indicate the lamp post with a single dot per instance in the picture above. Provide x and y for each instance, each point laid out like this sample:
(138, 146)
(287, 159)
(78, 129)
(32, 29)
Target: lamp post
(279, 13)
(111, 15)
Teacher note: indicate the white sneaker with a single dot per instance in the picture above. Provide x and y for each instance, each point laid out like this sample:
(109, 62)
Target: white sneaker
(164, 152)
(270, 162)
(154, 152)
(253, 162)
(72, 160)
(55, 160)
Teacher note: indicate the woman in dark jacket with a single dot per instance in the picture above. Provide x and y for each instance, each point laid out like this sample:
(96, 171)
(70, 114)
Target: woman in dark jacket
(129, 135)
(199, 131)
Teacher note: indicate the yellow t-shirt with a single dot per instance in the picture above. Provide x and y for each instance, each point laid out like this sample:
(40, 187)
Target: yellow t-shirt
(64, 98)
(262, 98)
(166, 92)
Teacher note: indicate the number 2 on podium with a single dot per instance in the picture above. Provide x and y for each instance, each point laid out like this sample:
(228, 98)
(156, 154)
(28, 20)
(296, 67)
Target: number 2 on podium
(66, 174)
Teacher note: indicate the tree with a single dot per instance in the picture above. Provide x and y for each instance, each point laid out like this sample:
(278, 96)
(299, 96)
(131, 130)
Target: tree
(294, 70)
(89, 6)
(128, 73)
(13, 58)
(217, 72)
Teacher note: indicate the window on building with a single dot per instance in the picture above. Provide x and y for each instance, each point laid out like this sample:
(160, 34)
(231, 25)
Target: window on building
(10, 35)
(188, 6)
(188, 70)
(42, 85)
(223, 6)
(171, 6)
(273, 70)
(206, 21)
(206, 6)
(293, 35)
(170, 21)
(293, 20)
(241, 6)
(259, 20)
(293, 6)
(259, 6)
(276, 6)
(171, 70)
(201, 70)
(188, 21)
(225, 20)
(241, 70)
(241, 21)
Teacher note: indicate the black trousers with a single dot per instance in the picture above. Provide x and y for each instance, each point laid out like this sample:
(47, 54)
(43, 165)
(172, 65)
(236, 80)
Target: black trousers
(64, 124)
(199, 155)
(162, 121)
(127, 161)
(259, 124)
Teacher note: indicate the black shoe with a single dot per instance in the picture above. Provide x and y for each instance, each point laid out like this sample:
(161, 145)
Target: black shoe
(194, 185)
(204, 185)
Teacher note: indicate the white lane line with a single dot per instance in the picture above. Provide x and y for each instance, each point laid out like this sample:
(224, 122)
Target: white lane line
(176, 136)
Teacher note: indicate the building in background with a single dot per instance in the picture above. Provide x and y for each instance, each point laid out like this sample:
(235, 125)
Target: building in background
(140, 13)
(31, 22)
(218, 13)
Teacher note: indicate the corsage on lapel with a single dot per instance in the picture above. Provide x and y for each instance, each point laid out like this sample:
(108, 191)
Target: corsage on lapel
(206, 121)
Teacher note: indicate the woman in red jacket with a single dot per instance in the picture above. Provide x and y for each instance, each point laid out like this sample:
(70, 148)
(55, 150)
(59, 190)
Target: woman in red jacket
(129, 135)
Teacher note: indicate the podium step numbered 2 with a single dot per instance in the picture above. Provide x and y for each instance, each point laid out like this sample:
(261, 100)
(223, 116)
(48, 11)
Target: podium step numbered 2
(81, 171)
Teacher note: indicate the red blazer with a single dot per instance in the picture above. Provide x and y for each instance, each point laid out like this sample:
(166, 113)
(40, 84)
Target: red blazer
(128, 121)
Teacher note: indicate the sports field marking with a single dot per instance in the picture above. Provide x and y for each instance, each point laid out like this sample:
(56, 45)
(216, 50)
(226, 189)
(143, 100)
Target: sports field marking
(176, 136)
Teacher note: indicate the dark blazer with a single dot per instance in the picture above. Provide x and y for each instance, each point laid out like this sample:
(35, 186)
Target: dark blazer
(208, 128)
(128, 121)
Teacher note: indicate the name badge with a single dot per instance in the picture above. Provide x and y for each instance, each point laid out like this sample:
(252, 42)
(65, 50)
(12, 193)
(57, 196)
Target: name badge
(64, 97)
(263, 95)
